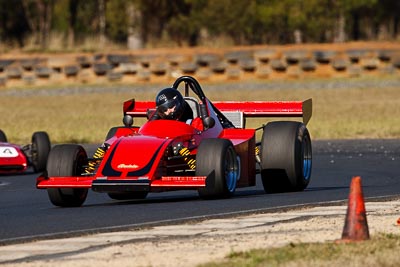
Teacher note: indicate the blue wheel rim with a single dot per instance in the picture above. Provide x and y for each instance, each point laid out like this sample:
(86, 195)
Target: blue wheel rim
(232, 170)
(307, 159)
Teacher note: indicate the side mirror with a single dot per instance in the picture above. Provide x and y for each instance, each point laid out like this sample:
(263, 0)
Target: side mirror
(128, 120)
(208, 122)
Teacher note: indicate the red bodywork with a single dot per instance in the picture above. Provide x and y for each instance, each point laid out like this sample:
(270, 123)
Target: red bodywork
(145, 158)
(138, 156)
(12, 159)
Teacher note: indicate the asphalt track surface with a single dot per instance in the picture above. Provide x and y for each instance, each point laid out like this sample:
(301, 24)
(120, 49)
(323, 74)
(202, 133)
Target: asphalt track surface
(27, 214)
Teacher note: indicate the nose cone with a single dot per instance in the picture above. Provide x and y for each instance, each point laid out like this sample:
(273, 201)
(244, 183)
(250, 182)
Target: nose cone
(167, 129)
(133, 156)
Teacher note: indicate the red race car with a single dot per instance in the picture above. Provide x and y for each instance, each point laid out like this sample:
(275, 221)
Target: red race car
(16, 159)
(214, 156)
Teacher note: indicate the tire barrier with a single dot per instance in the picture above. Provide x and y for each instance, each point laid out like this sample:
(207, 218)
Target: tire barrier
(244, 63)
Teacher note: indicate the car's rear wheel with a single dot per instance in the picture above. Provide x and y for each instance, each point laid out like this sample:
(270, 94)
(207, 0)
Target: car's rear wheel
(67, 160)
(217, 159)
(40, 150)
(127, 196)
(3, 137)
(286, 157)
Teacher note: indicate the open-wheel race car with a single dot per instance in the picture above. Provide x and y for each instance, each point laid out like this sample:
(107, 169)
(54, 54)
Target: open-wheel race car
(214, 157)
(17, 159)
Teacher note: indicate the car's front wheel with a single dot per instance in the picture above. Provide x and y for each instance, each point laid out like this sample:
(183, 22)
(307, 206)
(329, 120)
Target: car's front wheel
(67, 160)
(217, 159)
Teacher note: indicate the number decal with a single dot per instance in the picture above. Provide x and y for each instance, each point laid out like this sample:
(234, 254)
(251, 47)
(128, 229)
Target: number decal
(8, 152)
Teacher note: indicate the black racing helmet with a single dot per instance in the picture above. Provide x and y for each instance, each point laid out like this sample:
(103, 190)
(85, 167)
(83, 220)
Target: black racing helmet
(169, 98)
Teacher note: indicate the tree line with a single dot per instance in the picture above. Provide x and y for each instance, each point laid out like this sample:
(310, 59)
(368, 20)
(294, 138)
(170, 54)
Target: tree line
(155, 23)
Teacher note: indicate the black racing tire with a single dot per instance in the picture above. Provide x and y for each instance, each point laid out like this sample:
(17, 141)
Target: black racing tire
(40, 150)
(217, 159)
(3, 137)
(286, 157)
(127, 196)
(67, 160)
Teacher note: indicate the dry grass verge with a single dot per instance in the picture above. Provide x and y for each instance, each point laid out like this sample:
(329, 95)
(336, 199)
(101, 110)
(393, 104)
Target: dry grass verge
(85, 114)
(376, 252)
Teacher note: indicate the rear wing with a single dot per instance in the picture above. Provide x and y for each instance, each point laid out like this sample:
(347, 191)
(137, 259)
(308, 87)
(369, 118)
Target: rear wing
(268, 108)
(138, 108)
(243, 108)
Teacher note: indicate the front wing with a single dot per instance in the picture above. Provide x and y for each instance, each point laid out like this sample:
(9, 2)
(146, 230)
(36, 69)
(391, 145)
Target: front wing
(110, 184)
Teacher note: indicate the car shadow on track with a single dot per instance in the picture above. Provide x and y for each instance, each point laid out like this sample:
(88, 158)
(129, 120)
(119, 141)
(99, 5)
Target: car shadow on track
(191, 196)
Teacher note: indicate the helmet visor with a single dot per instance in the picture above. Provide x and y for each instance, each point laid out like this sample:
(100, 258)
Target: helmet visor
(167, 105)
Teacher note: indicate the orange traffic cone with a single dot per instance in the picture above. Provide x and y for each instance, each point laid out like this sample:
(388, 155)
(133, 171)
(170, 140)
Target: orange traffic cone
(355, 226)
